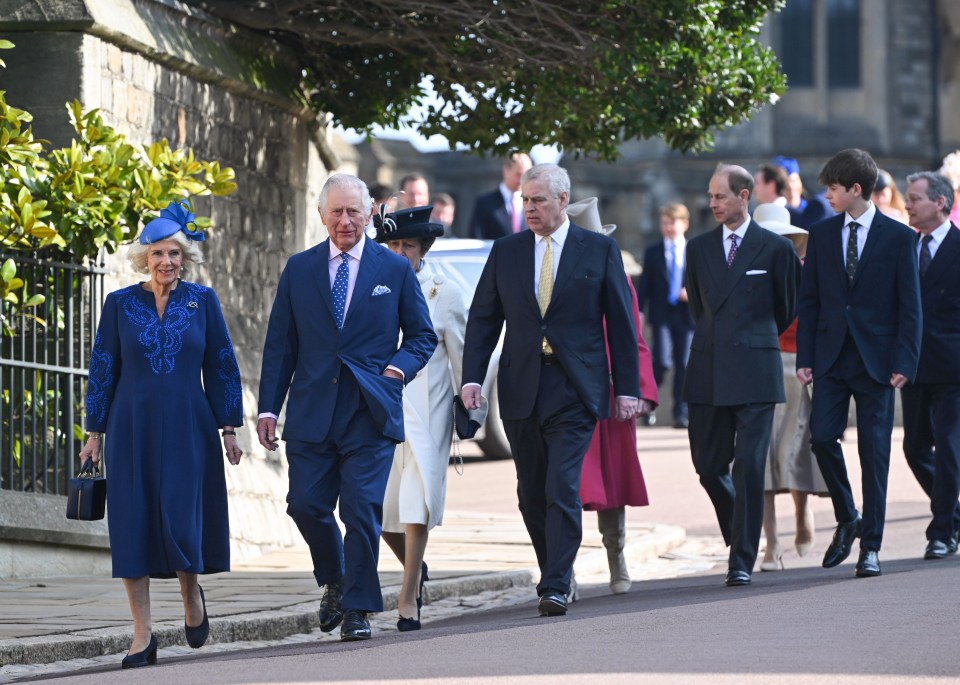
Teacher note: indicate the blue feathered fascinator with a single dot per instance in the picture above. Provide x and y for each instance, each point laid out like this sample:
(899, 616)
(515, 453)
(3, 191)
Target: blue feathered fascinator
(176, 217)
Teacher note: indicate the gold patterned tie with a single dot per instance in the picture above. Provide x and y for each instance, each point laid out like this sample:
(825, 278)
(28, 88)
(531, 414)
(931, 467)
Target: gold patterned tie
(545, 290)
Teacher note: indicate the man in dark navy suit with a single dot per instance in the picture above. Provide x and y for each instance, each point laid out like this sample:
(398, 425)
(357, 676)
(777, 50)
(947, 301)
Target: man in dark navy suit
(858, 336)
(332, 345)
(931, 404)
(742, 288)
(500, 212)
(661, 293)
(555, 287)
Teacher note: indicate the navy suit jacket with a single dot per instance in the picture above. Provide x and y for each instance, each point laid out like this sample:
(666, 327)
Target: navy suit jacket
(940, 295)
(491, 220)
(304, 349)
(589, 287)
(740, 313)
(654, 288)
(880, 309)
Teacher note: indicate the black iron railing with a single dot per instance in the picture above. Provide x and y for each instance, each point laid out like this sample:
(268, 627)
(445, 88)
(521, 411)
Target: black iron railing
(42, 370)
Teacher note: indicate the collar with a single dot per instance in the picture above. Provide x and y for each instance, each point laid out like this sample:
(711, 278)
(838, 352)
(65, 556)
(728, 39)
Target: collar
(865, 220)
(560, 235)
(740, 230)
(781, 201)
(940, 232)
(506, 194)
(354, 251)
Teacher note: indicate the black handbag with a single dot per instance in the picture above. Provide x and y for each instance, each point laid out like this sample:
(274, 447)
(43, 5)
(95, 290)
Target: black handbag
(466, 422)
(87, 494)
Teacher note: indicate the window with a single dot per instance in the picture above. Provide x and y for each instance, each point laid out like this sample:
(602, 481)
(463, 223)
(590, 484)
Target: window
(843, 43)
(796, 43)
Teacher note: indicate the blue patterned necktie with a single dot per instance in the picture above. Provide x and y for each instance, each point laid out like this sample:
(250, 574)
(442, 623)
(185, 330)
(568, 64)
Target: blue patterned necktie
(340, 288)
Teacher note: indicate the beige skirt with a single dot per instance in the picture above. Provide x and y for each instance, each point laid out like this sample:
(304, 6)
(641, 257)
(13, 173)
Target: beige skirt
(791, 465)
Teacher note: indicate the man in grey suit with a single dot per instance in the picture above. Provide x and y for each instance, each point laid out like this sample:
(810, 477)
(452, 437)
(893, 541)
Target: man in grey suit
(742, 288)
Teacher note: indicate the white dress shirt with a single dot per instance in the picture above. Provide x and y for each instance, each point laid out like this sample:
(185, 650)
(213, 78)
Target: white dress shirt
(939, 233)
(864, 220)
(740, 231)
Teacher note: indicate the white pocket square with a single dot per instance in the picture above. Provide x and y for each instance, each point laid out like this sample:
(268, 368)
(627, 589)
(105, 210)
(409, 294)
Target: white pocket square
(756, 272)
(380, 290)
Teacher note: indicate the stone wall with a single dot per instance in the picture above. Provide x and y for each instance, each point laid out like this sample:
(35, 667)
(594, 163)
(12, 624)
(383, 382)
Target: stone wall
(130, 60)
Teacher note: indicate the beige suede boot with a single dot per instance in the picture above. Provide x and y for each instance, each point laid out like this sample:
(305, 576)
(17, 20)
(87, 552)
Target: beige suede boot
(613, 529)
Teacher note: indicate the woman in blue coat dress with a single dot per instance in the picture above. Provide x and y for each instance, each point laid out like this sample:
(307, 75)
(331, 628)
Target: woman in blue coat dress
(163, 378)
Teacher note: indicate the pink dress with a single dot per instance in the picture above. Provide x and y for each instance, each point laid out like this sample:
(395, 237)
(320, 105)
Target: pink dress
(611, 476)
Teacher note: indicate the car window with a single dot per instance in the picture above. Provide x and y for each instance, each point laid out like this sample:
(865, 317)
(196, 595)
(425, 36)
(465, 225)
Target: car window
(465, 271)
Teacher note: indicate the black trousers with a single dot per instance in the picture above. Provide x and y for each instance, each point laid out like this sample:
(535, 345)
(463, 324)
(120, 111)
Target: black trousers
(931, 444)
(671, 348)
(737, 435)
(831, 403)
(548, 449)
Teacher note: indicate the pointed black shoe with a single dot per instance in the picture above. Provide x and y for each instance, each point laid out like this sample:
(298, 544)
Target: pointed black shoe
(355, 626)
(198, 635)
(736, 577)
(868, 565)
(331, 613)
(842, 542)
(937, 550)
(147, 657)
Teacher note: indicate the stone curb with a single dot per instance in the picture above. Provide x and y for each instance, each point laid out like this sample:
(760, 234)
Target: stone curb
(276, 624)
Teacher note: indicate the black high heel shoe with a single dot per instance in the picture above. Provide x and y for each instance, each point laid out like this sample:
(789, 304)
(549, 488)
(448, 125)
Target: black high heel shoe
(197, 635)
(147, 657)
(423, 579)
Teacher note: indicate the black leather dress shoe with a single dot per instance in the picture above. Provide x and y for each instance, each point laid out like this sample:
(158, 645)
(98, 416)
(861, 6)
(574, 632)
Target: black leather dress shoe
(937, 550)
(868, 565)
(355, 626)
(736, 577)
(842, 542)
(330, 611)
(552, 604)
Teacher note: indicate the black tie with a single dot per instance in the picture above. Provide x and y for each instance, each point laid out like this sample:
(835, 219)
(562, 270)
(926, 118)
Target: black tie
(925, 256)
(852, 256)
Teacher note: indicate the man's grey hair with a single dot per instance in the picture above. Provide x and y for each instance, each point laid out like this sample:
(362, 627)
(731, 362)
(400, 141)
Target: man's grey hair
(345, 181)
(738, 178)
(558, 180)
(938, 185)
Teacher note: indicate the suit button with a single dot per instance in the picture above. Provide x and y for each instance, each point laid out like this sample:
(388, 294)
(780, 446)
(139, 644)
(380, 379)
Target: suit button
(333, 380)
(848, 307)
(543, 328)
(736, 344)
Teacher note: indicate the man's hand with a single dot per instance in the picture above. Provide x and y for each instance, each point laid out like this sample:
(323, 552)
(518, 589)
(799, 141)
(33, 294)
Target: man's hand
(644, 407)
(626, 409)
(391, 373)
(471, 396)
(898, 380)
(805, 376)
(267, 433)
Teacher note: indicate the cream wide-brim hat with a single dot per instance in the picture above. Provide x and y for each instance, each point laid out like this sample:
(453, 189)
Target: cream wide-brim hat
(776, 219)
(586, 213)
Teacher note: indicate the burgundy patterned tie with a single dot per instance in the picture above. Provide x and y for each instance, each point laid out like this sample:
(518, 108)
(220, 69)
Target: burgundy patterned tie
(733, 249)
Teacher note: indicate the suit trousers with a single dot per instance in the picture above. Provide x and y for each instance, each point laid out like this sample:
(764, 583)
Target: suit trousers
(931, 445)
(671, 348)
(352, 464)
(738, 434)
(548, 450)
(828, 418)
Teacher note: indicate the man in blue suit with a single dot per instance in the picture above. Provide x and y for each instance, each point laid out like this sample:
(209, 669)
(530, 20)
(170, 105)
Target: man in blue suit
(858, 336)
(931, 404)
(332, 344)
(553, 286)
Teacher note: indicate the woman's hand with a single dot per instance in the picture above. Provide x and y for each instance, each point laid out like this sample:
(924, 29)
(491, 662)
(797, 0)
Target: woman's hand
(91, 450)
(231, 449)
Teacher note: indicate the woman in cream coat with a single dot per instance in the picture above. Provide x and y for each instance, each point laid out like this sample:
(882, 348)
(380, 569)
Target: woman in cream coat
(414, 500)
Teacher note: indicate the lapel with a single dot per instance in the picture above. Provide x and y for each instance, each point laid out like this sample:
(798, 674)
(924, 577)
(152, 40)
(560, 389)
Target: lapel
(660, 257)
(834, 253)
(944, 262)
(570, 256)
(523, 267)
(750, 247)
(874, 235)
(370, 261)
(321, 274)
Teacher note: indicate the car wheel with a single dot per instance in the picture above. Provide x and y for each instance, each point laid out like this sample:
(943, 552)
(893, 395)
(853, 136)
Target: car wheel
(494, 443)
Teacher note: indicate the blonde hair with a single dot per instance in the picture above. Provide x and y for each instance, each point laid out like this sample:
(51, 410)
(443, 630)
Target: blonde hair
(675, 211)
(951, 168)
(137, 253)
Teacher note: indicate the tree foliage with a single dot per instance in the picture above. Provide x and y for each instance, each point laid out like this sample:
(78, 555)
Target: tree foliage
(513, 73)
(90, 195)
